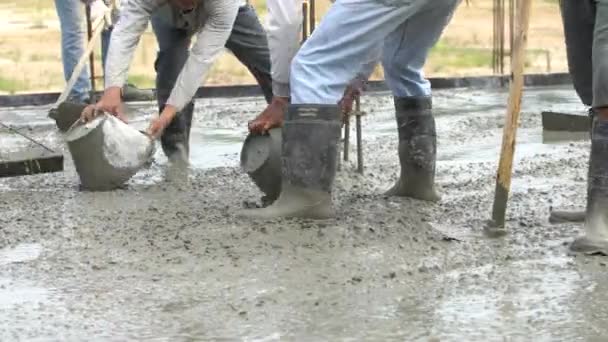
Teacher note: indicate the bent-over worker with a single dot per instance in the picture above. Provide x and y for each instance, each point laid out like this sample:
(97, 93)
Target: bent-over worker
(322, 68)
(180, 68)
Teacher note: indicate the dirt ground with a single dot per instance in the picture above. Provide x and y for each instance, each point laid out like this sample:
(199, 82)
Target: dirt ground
(30, 59)
(162, 261)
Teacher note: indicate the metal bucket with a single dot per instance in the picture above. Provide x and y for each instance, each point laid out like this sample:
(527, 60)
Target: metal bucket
(261, 160)
(107, 152)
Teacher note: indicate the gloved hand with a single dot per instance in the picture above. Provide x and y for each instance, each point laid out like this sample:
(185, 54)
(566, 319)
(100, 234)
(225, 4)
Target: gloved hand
(99, 10)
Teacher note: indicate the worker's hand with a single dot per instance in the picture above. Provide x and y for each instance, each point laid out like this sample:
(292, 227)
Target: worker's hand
(354, 89)
(271, 117)
(158, 125)
(100, 10)
(111, 103)
(89, 113)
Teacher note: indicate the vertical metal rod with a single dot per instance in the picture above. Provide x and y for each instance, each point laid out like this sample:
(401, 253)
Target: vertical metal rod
(92, 55)
(312, 15)
(359, 138)
(346, 136)
(304, 21)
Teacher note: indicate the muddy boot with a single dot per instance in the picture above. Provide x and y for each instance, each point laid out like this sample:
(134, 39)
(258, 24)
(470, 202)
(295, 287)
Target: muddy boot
(309, 153)
(132, 93)
(563, 216)
(176, 137)
(417, 149)
(595, 240)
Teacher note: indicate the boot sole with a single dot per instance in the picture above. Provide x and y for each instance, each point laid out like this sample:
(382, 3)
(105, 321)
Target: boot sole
(584, 245)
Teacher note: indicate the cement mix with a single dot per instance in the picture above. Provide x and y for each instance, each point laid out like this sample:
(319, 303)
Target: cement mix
(170, 262)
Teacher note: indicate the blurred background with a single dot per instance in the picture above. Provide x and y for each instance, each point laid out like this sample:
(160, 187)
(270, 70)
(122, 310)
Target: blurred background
(30, 58)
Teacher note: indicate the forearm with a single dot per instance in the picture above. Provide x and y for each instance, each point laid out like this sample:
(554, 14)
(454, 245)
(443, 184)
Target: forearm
(124, 40)
(284, 27)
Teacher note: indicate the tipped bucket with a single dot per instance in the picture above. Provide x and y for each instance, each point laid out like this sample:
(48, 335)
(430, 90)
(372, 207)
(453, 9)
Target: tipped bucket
(107, 152)
(261, 160)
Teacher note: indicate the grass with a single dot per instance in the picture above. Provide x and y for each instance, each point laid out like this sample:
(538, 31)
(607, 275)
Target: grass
(30, 58)
(11, 85)
(142, 81)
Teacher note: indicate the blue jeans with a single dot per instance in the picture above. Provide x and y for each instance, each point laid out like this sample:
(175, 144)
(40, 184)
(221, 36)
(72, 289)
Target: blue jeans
(73, 33)
(353, 31)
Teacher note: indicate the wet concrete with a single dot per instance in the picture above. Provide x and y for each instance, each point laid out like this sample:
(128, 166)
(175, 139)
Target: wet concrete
(169, 261)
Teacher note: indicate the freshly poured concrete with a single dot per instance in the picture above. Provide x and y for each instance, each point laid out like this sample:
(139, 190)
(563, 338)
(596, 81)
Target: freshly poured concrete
(170, 262)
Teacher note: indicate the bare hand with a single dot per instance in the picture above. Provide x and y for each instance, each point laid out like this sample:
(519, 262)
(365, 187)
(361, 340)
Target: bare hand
(110, 102)
(158, 125)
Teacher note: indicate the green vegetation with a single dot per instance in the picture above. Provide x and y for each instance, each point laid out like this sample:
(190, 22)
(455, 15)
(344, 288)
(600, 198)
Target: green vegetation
(142, 81)
(11, 85)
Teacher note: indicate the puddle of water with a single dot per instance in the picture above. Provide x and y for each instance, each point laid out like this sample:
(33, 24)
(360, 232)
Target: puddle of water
(20, 293)
(21, 253)
(524, 299)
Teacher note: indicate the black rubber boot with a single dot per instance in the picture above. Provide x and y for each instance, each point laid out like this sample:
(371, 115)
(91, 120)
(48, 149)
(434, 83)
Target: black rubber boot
(595, 240)
(417, 149)
(176, 137)
(309, 153)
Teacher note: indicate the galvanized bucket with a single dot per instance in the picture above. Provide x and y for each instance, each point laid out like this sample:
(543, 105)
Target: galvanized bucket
(261, 159)
(107, 152)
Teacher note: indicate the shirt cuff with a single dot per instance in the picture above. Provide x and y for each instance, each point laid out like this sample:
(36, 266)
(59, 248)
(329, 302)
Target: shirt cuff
(280, 89)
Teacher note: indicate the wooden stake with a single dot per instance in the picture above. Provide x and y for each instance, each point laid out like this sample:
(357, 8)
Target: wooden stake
(505, 166)
(92, 54)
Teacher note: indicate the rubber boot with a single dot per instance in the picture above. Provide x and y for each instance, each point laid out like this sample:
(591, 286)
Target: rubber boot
(417, 149)
(176, 137)
(309, 153)
(132, 93)
(595, 240)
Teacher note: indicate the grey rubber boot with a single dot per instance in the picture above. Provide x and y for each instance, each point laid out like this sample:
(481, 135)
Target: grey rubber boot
(309, 153)
(417, 149)
(595, 240)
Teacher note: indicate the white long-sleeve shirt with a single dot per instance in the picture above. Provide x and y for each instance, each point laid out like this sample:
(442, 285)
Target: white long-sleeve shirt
(284, 29)
(211, 22)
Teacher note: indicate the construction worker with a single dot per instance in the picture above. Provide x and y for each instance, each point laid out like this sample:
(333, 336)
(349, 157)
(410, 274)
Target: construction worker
(284, 30)
(320, 71)
(586, 32)
(180, 69)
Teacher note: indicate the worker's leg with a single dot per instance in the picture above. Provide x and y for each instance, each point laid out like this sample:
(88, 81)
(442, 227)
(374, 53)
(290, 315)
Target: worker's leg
(71, 20)
(173, 47)
(248, 43)
(106, 34)
(341, 44)
(596, 222)
(404, 55)
(329, 59)
(578, 17)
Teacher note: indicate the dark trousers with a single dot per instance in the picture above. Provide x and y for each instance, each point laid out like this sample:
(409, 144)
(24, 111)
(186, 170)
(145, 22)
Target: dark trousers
(247, 42)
